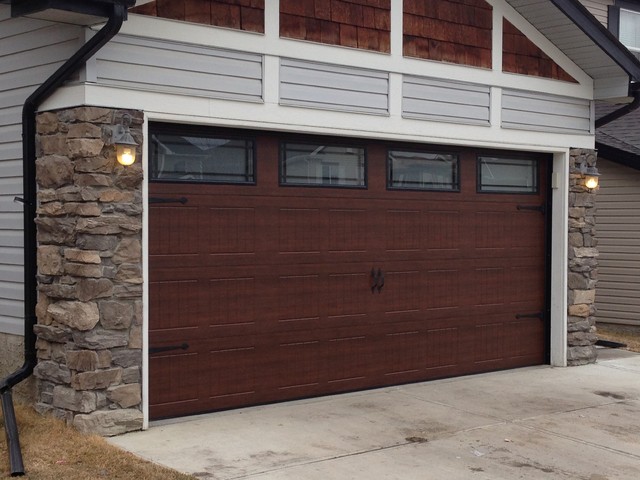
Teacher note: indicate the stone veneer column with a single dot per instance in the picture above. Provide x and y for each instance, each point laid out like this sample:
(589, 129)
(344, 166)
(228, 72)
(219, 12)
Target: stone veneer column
(89, 224)
(583, 263)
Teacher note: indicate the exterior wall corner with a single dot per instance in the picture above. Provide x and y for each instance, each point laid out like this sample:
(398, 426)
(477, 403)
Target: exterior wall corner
(583, 263)
(89, 231)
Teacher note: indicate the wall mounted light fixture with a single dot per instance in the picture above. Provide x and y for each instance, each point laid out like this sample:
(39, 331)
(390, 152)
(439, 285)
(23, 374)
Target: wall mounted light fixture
(124, 142)
(591, 175)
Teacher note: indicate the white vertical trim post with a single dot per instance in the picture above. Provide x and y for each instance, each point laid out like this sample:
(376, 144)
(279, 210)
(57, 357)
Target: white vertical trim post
(145, 273)
(397, 28)
(559, 259)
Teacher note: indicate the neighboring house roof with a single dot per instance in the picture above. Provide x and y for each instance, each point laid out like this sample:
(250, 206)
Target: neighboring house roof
(619, 140)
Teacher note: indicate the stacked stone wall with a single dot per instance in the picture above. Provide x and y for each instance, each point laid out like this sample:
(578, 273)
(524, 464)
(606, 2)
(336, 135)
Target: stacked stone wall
(89, 223)
(583, 262)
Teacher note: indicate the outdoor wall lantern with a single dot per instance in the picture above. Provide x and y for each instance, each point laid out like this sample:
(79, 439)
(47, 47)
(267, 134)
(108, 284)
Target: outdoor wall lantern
(591, 175)
(124, 142)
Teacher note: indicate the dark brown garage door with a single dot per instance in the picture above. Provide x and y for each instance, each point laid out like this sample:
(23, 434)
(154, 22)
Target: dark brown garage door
(264, 288)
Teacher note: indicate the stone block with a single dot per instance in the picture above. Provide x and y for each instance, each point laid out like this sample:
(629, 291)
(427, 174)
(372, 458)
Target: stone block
(58, 290)
(52, 333)
(114, 195)
(584, 296)
(129, 178)
(84, 147)
(82, 256)
(97, 242)
(56, 230)
(581, 355)
(79, 315)
(83, 270)
(46, 123)
(129, 250)
(52, 372)
(52, 209)
(108, 225)
(100, 339)
(116, 315)
(109, 422)
(82, 360)
(93, 288)
(130, 273)
(76, 401)
(94, 165)
(84, 130)
(49, 260)
(577, 281)
(125, 395)
(127, 358)
(586, 252)
(96, 380)
(104, 358)
(52, 145)
(135, 337)
(131, 375)
(94, 114)
(92, 180)
(580, 310)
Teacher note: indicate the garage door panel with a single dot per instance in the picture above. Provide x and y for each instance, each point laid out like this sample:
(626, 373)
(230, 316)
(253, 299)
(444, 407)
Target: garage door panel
(174, 384)
(177, 305)
(229, 230)
(174, 231)
(279, 292)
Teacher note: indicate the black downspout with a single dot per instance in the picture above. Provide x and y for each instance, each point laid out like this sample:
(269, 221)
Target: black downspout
(72, 65)
(622, 111)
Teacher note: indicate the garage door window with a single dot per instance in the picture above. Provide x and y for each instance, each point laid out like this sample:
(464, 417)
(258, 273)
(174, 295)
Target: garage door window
(412, 170)
(507, 175)
(322, 165)
(202, 158)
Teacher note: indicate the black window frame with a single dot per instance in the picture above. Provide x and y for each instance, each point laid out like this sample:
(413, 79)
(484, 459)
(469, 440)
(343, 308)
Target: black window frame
(205, 131)
(417, 149)
(504, 156)
(333, 142)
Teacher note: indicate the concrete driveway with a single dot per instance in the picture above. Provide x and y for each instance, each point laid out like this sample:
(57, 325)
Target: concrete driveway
(532, 423)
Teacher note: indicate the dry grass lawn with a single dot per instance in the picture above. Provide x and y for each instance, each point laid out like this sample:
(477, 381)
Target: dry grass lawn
(53, 451)
(628, 334)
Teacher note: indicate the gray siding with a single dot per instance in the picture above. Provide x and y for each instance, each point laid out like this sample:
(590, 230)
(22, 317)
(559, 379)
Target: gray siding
(598, 9)
(445, 101)
(30, 50)
(546, 113)
(172, 67)
(332, 87)
(618, 224)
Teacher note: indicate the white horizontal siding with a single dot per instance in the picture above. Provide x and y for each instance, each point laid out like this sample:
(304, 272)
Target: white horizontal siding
(544, 112)
(332, 87)
(30, 51)
(179, 68)
(445, 101)
(618, 224)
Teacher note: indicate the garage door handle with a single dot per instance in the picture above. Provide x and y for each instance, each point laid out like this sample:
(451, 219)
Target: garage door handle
(168, 348)
(376, 280)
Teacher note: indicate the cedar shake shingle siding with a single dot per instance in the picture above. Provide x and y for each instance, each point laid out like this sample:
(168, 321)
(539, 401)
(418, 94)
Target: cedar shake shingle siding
(456, 31)
(521, 55)
(239, 14)
(364, 24)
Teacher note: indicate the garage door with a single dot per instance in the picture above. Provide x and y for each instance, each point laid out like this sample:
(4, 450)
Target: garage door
(284, 267)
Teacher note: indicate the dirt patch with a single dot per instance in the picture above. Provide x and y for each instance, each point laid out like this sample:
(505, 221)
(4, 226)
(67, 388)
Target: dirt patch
(627, 334)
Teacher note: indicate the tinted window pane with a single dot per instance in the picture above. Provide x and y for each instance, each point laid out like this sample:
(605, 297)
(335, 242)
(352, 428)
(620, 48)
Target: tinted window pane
(630, 29)
(423, 171)
(323, 165)
(508, 175)
(201, 158)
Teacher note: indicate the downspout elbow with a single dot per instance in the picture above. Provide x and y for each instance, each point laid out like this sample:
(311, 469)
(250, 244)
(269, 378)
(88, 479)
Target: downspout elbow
(622, 111)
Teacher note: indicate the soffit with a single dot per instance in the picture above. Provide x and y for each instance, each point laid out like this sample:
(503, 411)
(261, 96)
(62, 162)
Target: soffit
(569, 26)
